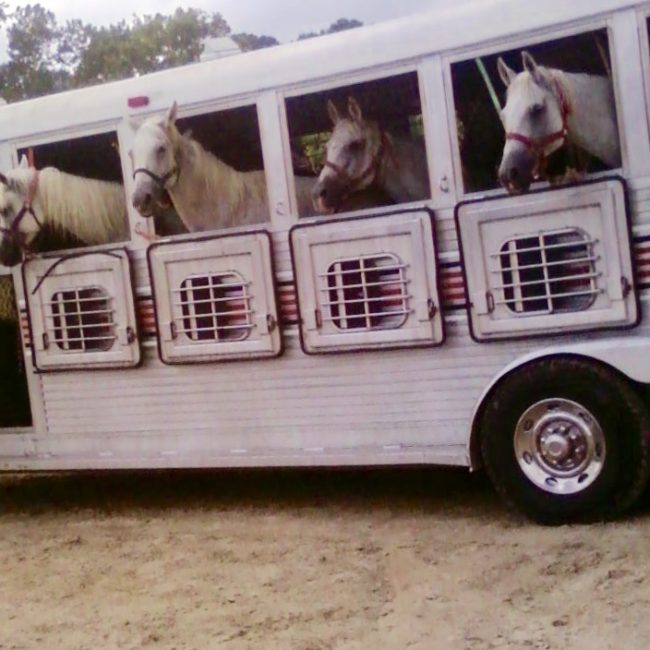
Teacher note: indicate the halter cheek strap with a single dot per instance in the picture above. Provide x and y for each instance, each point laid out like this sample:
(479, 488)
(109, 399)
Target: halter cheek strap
(538, 145)
(26, 208)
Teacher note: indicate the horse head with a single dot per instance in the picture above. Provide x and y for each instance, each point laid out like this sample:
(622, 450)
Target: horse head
(19, 213)
(353, 156)
(155, 157)
(535, 122)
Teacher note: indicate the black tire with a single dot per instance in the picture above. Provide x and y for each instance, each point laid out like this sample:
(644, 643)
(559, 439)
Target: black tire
(614, 416)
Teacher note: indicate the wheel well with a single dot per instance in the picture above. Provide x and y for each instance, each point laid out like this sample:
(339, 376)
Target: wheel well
(475, 437)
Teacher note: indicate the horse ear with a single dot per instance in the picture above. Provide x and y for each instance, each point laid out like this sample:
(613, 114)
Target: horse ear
(171, 116)
(333, 112)
(530, 66)
(24, 163)
(507, 74)
(354, 109)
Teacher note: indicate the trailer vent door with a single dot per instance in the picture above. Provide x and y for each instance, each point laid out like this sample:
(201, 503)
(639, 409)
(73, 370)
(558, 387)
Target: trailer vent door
(215, 298)
(81, 311)
(367, 283)
(548, 262)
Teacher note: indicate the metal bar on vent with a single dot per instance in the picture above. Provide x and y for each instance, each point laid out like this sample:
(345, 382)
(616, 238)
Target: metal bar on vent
(203, 301)
(369, 299)
(560, 278)
(570, 294)
(95, 312)
(400, 312)
(570, 244)
(382, 283)
(222, 285)
(78, 299)
(382, 269)
(193, 330)
(84, 339)
(569, 260)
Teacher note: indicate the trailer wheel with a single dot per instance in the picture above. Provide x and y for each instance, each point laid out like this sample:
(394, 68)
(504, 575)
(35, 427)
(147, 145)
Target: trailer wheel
(565, 438)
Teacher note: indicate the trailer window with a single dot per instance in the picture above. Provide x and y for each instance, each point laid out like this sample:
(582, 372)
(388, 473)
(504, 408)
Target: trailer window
(233, 137)
(479, 125)
(86, 212)
(358, 146)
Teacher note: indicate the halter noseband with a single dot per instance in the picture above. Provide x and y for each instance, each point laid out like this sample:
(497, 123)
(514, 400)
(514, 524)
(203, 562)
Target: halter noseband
(350, 183)
(25, 209)
(160, 180)
(538, 145)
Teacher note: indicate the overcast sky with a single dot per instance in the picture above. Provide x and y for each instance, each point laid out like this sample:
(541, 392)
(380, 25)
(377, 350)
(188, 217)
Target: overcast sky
(284, 19)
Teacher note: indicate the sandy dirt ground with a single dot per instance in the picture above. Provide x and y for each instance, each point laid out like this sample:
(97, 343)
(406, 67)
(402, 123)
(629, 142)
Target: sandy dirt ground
(308, 560)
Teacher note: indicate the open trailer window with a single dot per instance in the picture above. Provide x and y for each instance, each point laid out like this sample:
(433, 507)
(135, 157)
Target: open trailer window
(358, 146)
(78, 193)
(543, 112)
(212, 168)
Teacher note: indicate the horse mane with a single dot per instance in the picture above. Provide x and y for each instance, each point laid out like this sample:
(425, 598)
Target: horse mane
(234, 190)
(92, 210)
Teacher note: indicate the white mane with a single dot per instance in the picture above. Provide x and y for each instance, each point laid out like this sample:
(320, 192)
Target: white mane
(92, 210)
(238, 198)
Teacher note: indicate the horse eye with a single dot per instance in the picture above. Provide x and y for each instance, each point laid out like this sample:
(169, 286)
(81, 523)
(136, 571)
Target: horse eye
(537, 109)
(356, 146)
(161, 150)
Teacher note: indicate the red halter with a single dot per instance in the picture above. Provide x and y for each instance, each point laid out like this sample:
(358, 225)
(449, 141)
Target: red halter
(538, 145)
(26, 208)
(351, 183)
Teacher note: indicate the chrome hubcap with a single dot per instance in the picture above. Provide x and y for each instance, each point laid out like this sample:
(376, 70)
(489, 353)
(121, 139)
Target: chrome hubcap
(559, 446)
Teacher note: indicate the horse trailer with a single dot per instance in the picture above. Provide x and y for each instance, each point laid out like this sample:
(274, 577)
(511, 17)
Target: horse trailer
(412, 311)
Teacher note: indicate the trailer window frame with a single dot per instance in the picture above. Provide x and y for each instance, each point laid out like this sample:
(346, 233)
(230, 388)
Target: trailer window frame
(533, 38)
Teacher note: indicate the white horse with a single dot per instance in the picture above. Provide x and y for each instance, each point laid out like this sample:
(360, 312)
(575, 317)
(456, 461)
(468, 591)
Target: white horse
(206, 192)
(93, 211)
(545, 108)
(360, 155)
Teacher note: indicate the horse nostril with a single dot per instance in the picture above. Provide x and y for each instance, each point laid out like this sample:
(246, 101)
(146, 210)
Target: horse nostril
(141, 201)
(323, 193)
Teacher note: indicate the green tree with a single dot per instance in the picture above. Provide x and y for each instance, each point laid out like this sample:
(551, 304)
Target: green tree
(146, 44)
(249, 42)
(32, 39)
(46, 57)
(338, 26)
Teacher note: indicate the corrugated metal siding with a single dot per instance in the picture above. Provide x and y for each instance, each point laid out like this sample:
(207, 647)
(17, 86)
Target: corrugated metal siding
(414, 397)
(639, 192)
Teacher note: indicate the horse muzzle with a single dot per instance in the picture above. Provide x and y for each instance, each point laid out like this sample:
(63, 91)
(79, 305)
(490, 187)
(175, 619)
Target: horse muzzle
(143, 201)
(327, 196)
(10, 252)
(517, 171)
